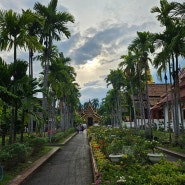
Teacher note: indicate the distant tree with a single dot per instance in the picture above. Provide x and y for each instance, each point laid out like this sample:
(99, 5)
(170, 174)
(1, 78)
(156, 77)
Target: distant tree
(128, 65)
(116, 79)
(95, 103)
(144, 44)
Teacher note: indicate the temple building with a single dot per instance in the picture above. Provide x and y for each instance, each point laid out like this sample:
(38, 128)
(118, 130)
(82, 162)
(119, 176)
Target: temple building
(163, 109)
(90, 115)
(155, 92)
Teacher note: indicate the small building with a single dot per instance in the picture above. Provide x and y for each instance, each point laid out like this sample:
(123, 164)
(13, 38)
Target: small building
(155, 92)
(165, 104)
(90, 115)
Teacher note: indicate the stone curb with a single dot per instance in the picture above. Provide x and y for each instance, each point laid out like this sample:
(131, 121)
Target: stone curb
(26, 173)
(95, 169)
(180, 155)
(68, 139)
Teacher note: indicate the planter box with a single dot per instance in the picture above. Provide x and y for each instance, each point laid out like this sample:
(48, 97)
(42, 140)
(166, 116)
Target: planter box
(155, 157)
(115, 157)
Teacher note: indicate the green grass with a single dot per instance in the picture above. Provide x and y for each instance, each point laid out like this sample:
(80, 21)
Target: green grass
(63, 139)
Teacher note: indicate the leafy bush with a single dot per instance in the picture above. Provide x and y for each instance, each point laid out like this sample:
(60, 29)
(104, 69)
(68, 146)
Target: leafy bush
(134, 167)
(13, 154)
(37, 144)
(182, 140)
(62, 135)
(115, 147)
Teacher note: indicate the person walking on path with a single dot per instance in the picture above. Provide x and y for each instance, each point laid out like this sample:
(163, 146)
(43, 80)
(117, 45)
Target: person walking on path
(69, 166)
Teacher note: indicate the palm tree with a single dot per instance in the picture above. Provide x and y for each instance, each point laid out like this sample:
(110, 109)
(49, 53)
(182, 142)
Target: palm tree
(10, 92)
(73, 102)
(144, 44)
(68, 87)
(6, 98)
(33, 28)
(18, 72)
(13, 31)
(54, 24)
(85, 105)
(95, 103)
(28, 90)
(107, 109)
(116, 79)
(129, 61)
(61, 79)
(173, 46)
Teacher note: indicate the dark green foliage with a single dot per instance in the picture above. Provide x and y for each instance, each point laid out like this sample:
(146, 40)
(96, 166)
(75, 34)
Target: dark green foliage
(13, 154)
(62, 135)
(36, 144)
(182, 140)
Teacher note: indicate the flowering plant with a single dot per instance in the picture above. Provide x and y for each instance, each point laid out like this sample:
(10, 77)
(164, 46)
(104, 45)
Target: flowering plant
(115, 147)
(121, 180)
(151, 144)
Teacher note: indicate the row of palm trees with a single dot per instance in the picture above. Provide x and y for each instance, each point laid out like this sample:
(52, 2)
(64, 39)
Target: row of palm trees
(35, 31)
(133, 73)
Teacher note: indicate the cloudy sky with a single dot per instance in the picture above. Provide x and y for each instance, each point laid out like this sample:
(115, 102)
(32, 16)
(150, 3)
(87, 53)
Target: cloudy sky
(102, 31)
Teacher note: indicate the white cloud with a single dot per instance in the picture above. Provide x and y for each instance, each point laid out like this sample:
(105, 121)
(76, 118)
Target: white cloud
(100, 35)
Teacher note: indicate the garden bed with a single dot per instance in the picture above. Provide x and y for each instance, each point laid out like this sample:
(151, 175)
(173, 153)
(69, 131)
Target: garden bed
(134, 167)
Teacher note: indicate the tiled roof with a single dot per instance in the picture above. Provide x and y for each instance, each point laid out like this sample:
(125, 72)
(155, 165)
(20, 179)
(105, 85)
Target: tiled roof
(157, 90)
(182, 89)
(89, 111)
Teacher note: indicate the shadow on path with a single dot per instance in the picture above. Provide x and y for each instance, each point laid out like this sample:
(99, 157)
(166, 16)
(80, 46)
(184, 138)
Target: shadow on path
(71, 165)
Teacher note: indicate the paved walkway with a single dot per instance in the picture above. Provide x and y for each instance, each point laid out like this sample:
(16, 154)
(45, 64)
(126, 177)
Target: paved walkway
(69, 166)
(172, 155)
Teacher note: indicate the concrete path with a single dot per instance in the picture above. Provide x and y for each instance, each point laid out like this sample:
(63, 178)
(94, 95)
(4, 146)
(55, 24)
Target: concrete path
(172, 155)
(71, 165)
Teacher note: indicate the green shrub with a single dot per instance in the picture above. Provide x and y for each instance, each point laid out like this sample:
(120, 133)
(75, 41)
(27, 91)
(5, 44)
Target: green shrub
(62, 135)
(13, 154)
(182, 140)
(37, 144)
(167, 179)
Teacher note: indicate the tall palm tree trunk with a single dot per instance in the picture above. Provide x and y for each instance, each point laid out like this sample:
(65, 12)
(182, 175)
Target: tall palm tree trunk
(119, 110)
(30, 125)
(142, 115)
(175, 101)
(148, 109)
(133, 105)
